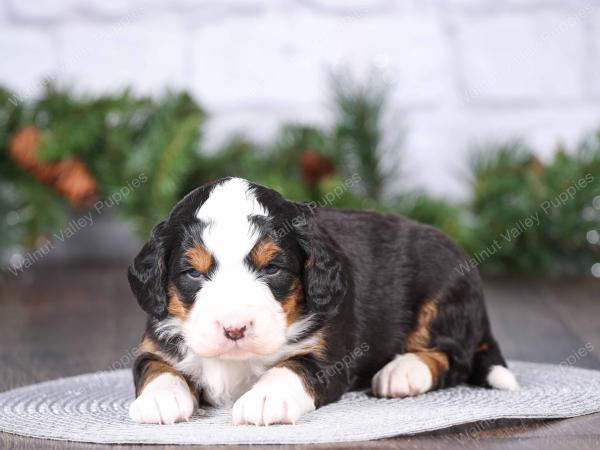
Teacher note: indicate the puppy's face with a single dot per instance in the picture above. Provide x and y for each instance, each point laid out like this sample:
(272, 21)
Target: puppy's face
(234, 286)
(238, 272)
(224, 274)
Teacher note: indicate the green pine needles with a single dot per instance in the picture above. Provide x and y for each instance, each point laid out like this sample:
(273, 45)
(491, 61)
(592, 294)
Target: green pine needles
(524, 216)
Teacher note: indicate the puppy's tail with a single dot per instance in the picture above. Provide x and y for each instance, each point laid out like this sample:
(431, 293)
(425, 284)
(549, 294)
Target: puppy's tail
(489, 367)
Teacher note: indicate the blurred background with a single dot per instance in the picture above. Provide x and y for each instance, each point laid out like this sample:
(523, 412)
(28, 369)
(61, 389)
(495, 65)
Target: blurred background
(479, 117)
(468, 115)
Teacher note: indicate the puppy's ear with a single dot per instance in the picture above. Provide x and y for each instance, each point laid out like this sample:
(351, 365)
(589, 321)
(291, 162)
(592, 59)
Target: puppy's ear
(325, 268)
(148, 274)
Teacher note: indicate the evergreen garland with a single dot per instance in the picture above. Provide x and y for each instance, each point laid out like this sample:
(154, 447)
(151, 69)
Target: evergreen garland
(152, 148)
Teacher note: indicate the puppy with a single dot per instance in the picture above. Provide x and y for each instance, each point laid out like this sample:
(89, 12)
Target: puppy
(277, 308)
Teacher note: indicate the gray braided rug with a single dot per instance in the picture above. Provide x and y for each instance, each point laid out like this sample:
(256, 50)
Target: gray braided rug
(93, 408)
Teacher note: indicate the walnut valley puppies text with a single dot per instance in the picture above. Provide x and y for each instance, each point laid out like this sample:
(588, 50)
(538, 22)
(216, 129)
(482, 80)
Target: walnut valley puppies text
(75, 225)
(347, 361)
(522, 225)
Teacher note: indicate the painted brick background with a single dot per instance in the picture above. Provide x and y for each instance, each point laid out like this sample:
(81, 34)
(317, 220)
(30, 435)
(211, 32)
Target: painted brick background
(464, 72)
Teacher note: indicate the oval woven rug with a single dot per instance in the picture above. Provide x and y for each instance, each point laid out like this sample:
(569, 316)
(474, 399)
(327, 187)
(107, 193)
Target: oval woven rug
(93, 408)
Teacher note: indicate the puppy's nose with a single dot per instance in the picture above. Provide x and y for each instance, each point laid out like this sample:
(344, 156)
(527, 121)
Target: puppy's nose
(234, 333)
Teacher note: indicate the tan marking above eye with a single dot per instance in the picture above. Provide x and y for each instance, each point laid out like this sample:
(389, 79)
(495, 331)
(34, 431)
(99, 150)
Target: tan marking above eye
(199, 258)
(264, 252)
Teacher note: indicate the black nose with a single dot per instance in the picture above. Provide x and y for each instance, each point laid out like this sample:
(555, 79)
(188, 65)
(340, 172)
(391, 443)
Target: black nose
(234, 333)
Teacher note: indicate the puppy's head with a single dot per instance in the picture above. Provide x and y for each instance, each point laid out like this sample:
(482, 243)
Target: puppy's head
(237, 272)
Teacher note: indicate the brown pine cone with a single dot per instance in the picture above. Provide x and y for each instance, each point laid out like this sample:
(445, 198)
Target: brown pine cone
(314, 166)
(71, 178)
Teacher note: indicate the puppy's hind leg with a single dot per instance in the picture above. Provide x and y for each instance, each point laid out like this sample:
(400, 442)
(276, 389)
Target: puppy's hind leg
(489, 367)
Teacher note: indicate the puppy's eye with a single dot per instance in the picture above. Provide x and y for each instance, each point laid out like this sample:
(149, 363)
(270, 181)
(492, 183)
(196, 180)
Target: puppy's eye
(271, 269)
(193, 273)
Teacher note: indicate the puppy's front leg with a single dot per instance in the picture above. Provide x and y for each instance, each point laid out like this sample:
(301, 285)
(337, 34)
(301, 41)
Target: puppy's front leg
(282, 395)
(163, 395)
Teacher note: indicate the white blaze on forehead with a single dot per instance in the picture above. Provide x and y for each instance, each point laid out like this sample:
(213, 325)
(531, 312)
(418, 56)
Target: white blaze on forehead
(230, 235)
(233, 294)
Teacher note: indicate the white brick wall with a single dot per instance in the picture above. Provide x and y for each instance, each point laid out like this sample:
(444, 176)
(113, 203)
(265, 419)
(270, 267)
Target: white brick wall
(27, 55)
(544, 62)
(465, 72)
(593, 59)
(149, 55)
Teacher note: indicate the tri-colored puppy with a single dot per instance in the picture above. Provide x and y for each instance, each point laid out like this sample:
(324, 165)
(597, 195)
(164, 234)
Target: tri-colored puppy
(278, 308)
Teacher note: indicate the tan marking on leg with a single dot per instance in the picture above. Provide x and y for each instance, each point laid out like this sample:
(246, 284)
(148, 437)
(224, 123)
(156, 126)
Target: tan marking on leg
(264, 252)
(482, 347)
(419, 341)
(420, 337)
(159, 367)
(437, 363)
(199, 258)
(148, 346)
(152, 370)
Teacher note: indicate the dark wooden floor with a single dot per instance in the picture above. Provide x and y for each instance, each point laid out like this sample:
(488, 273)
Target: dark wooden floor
(57, 321)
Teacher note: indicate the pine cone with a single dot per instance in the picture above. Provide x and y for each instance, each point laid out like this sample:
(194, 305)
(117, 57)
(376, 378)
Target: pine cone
(71, 178)
(23, 147)
(314, 166)
(76, 183)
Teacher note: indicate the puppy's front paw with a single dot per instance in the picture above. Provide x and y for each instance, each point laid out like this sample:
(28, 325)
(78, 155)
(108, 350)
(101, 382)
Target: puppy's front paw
(406, 375)
(278, 397)
(165, 400)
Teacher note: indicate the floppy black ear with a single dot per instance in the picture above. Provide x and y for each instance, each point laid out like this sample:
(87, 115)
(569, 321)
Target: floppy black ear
(325, 269)
(148, 274)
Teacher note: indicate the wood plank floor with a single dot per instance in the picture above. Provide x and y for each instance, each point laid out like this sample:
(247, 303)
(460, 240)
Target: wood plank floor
(58, 321)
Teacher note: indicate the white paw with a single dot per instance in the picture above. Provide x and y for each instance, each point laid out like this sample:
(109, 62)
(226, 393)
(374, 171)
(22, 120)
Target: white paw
(165, 400)
(404, 376)
(502, 378)
(278, 397)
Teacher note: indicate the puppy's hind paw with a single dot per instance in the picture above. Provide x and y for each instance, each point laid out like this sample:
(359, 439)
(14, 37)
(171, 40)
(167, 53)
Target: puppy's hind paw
(502, 378)
(404, 376)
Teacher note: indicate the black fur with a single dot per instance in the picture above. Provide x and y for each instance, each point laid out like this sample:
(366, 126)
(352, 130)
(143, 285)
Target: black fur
(148, 274)
(325, 276)
(365, 277)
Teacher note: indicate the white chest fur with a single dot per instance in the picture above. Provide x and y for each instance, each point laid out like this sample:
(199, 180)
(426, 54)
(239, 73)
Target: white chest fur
(222, 381)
